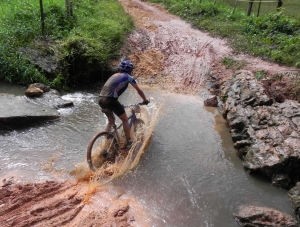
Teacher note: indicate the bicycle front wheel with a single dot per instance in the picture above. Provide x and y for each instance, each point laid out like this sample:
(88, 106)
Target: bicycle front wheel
(101, 148)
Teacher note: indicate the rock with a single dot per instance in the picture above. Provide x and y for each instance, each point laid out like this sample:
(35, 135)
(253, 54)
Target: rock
(36, 90)
(53, 99)
(33, 92)
(211, 101)
(263, 216)
(265, 132)
(16, 111)
(41, 86)
(43, 56)
(281, 180)
(47, 96)
(241, 144)
(294, 197)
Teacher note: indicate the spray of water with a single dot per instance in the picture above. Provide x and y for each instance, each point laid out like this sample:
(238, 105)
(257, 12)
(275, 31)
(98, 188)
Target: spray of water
(109, 171)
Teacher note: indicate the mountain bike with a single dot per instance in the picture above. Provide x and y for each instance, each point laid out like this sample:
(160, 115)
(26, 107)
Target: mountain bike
(105, 146)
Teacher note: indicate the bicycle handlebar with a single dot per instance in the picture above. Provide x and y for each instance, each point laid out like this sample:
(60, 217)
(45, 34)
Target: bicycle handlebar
(137, 104)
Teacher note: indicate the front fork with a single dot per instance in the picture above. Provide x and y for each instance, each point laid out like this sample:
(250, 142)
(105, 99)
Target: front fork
(131, 118)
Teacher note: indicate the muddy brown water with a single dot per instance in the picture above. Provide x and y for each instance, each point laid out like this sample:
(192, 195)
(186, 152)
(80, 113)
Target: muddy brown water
(189, 175)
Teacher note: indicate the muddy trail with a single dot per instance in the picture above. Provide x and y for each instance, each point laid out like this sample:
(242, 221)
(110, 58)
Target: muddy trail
(62, 204)
(168, 54)
(171, 55)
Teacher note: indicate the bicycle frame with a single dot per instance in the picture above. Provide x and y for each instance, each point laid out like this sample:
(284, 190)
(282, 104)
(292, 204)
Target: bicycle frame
(113, 128)
(112, 134)
(132, 117)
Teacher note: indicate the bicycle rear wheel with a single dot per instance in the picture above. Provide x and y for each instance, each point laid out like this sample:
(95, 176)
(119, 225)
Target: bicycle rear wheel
(101, 148)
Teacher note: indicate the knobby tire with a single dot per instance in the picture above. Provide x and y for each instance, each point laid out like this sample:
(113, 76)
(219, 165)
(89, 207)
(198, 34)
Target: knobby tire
(92, 143)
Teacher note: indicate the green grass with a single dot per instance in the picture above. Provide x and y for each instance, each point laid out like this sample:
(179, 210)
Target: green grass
(274, 36)
(87, 40)
(289, 7)
(230, 63)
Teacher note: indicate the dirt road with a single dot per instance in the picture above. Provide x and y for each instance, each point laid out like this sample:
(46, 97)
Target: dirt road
(168, 54)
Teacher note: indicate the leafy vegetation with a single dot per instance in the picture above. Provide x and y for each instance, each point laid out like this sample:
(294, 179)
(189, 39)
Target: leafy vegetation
(83, 43)
(87, 41)
(290, 7)
(261, 74)
(230, 63)
(274, 36)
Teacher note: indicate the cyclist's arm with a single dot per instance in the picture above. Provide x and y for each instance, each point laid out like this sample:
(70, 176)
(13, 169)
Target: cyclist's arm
(139, 91)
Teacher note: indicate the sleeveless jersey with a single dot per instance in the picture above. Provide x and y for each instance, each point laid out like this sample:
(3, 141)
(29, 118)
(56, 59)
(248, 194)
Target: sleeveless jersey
(116, 85)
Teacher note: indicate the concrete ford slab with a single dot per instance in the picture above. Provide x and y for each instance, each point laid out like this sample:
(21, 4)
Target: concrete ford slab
(16, 112)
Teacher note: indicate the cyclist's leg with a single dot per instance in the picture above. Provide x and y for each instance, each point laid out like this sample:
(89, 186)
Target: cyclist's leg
(110, 116)
(105, 105)
(119, 110)
(116, 107)
(128, 141)
(126, 126)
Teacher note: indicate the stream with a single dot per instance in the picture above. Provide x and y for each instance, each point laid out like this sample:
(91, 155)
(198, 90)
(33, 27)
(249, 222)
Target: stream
(189, 175)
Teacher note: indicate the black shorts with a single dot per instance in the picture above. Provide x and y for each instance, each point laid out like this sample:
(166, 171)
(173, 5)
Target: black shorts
(112, 104)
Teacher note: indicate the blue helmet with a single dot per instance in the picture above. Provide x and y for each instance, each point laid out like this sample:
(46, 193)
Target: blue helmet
(126, 66)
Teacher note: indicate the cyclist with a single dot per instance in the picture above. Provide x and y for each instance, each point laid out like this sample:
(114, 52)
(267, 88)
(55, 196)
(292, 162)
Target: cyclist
(112, 89)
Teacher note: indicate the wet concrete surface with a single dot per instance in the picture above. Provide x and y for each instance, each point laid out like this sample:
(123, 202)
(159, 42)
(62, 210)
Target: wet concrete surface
(17, 111)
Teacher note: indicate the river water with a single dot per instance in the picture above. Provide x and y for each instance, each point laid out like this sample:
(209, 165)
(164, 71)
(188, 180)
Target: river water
(189, 175)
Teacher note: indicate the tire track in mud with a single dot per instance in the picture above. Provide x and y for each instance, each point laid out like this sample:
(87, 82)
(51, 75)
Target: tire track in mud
(45, 204)
(55, 203)
(169, 54)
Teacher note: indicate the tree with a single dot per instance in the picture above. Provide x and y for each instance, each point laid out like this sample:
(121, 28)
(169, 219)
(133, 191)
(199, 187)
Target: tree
(250, 7)
(42, 17)
(279, 4)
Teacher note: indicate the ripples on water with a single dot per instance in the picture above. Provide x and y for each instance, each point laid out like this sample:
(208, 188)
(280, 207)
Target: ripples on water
(188, 176)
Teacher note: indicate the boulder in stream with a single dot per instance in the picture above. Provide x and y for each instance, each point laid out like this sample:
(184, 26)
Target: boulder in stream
(252, 216)
(294, 197)
(211, 101)
(36, 90)
(43, 94)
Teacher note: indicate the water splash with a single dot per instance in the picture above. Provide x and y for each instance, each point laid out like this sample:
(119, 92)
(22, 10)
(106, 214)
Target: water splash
(142, 137)
(123, 163)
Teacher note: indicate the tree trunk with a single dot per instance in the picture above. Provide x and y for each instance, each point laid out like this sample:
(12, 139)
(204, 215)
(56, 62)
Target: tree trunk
(279, 4)
(68, 7)
(250, 7)
(42, 17)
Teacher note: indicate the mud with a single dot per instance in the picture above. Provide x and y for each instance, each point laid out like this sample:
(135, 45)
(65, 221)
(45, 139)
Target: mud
(63, 204)
(168, 54)
(171, 55)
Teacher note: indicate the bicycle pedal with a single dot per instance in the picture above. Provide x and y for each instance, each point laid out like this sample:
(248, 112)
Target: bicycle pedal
(104, 154)
(127, 146)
